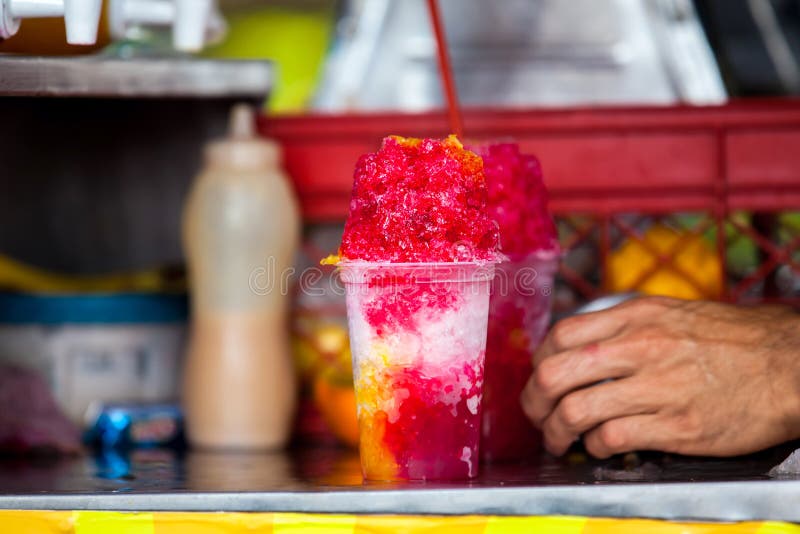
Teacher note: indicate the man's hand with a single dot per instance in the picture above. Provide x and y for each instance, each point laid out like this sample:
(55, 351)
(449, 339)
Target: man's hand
(687, 377)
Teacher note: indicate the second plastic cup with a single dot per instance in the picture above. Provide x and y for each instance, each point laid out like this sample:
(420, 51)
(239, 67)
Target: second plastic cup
(519, 315)
(418, 338)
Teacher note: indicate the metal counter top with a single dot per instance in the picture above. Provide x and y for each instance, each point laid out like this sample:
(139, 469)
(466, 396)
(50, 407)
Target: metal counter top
(136, 77)
(329, 481)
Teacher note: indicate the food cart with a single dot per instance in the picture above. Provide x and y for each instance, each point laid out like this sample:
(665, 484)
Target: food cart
(729, 172)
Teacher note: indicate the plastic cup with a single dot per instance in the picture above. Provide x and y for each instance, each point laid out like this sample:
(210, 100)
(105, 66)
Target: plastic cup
(418, 339)
(519, 314)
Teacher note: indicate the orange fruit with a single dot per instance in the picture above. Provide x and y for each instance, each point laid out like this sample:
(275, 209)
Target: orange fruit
(322, 347)
(696, 257)
(337, 404)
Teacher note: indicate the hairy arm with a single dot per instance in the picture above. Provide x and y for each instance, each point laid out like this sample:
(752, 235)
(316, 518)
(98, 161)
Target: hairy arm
(687, 377)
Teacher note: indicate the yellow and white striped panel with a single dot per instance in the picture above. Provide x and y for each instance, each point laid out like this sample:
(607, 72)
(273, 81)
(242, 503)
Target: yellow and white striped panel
(36, 522)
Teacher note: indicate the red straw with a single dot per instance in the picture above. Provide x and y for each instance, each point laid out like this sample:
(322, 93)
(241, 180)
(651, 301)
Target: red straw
(454, 112)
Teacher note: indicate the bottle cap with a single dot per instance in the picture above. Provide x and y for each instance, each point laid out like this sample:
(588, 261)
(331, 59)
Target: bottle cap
(243, 148)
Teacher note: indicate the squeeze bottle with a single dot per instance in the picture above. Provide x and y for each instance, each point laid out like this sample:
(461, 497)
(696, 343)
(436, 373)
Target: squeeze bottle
(240, 233)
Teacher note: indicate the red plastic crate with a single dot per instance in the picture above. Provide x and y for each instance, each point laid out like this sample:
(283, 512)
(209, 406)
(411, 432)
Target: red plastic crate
(611, 166)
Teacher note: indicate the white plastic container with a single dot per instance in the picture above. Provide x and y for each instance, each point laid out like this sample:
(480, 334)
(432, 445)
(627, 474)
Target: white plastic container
(97, 348)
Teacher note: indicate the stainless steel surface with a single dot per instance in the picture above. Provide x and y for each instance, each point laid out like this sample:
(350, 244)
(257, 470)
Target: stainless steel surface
(105, 76)
(329, 481)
